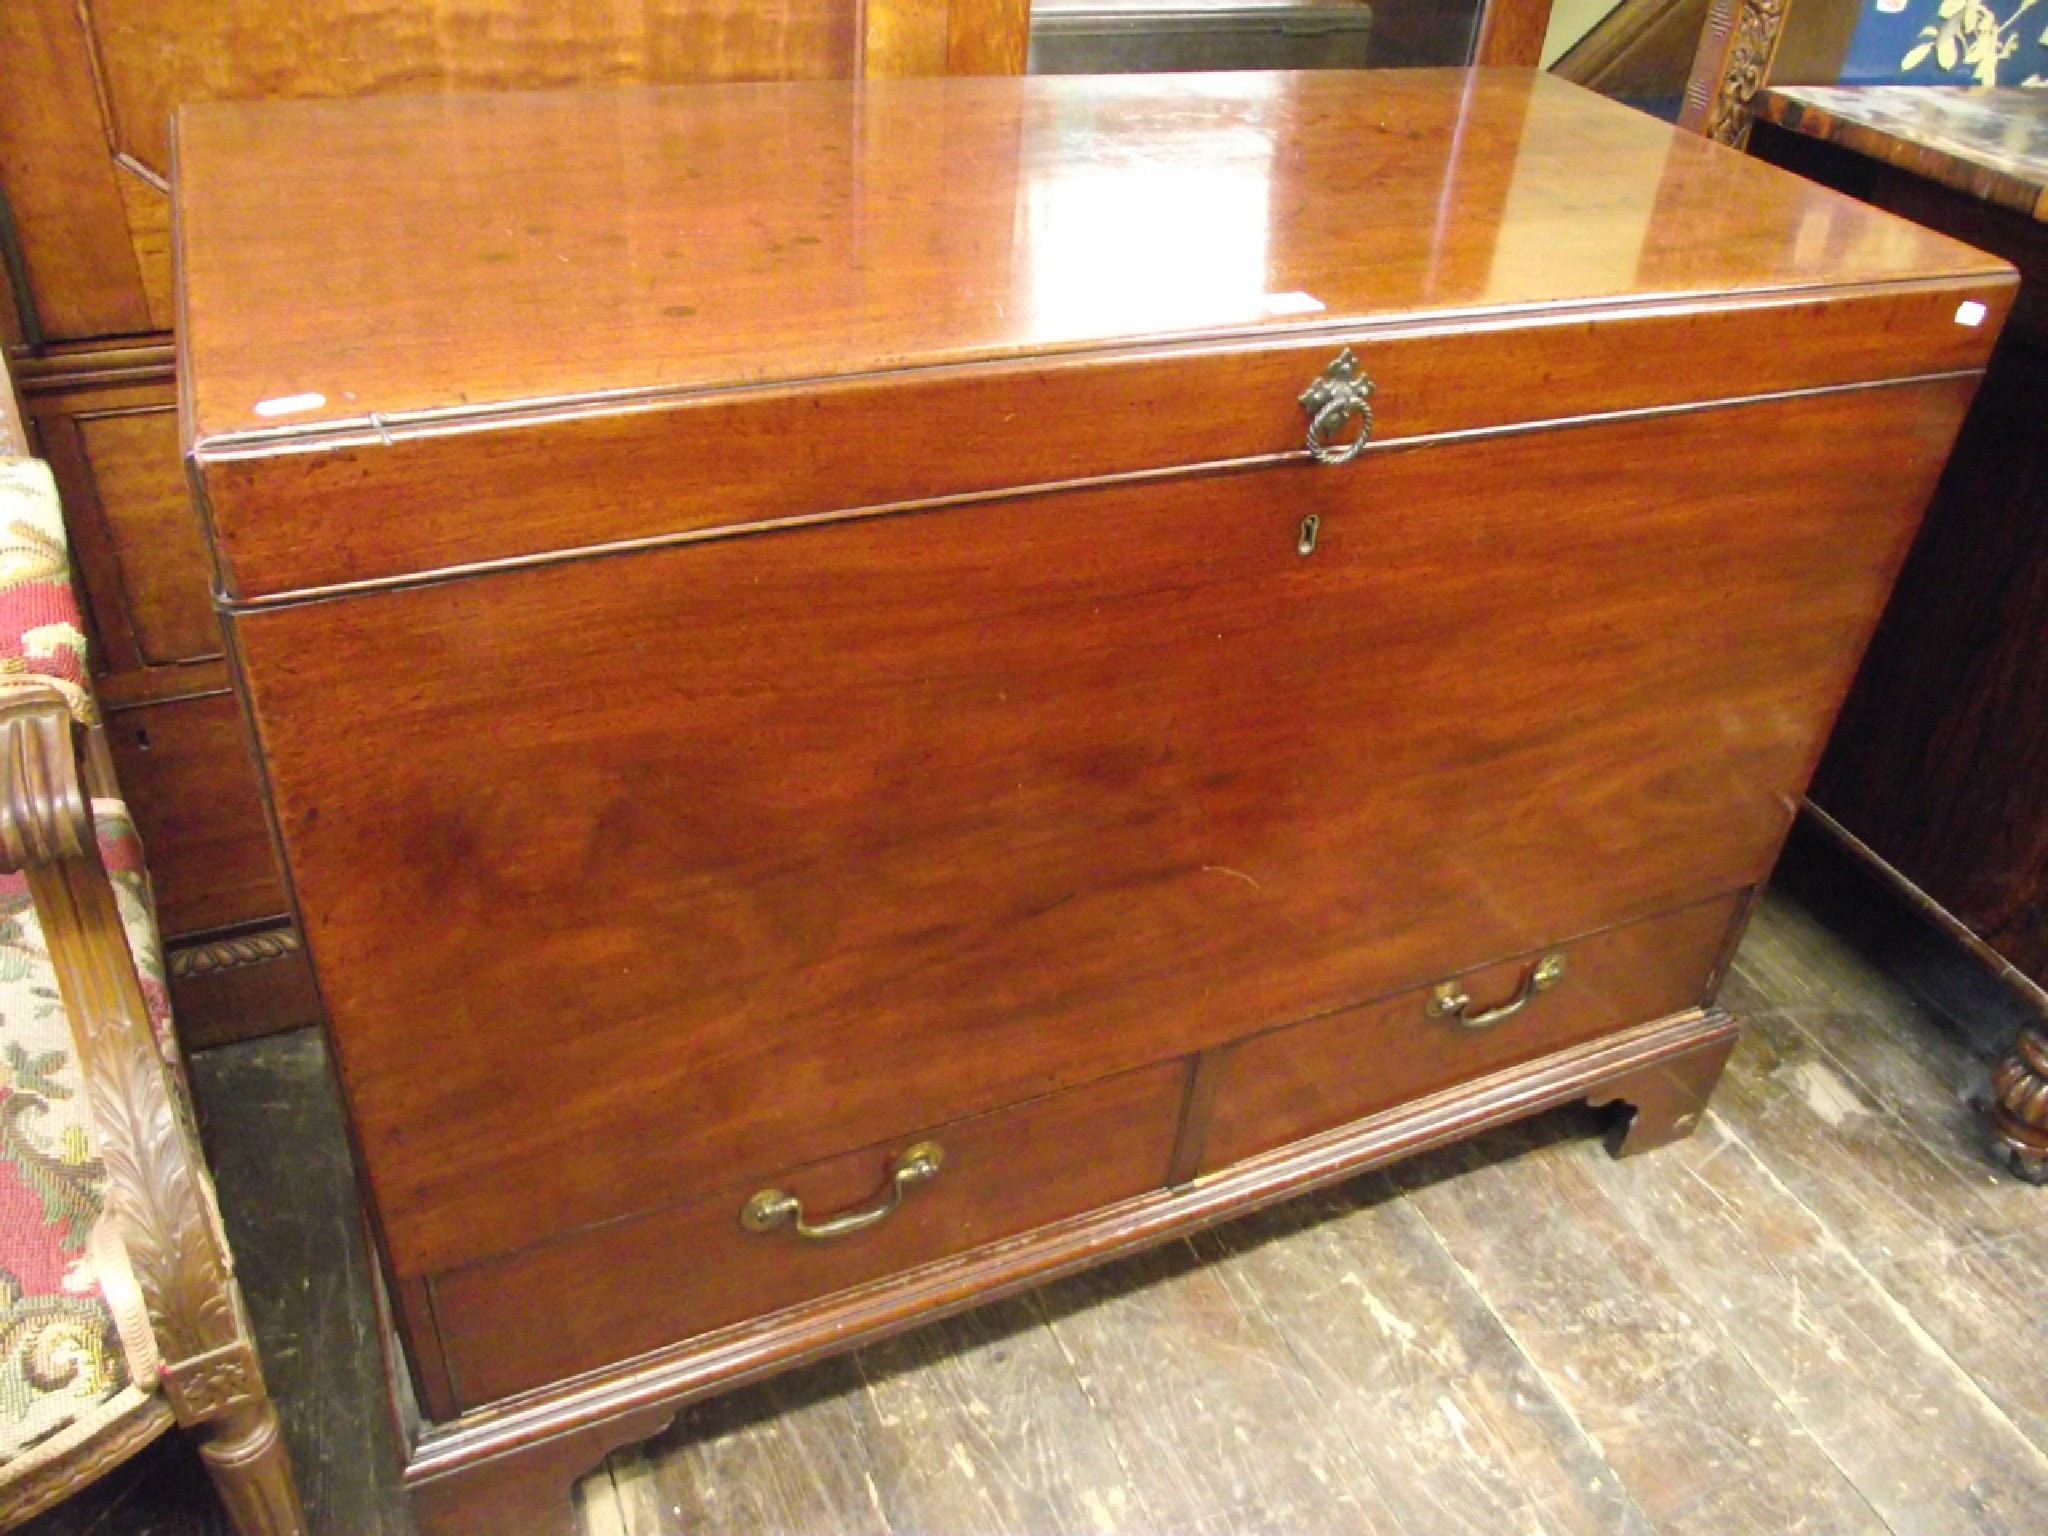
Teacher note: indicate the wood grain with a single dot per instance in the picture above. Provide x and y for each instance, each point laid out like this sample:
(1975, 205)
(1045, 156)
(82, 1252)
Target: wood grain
(86, 121)
(377, 510)
(1699, 1439)
(637, 1285)
(1829, 1340)
(1457, 1430)
(1151, 821)
(475, 1465)
(582, 245)
(789, 1455)
(1511, 33)
(1961, 1250)
(1990, 145)
(1219, 1376)
(1035, 1456)
(155, 55)
(197, 804)
(1900, 1168)
(116, 454)
(62, 188)
(1309, 1077)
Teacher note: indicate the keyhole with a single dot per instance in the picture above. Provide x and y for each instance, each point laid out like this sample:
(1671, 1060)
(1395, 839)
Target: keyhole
(1306, 544)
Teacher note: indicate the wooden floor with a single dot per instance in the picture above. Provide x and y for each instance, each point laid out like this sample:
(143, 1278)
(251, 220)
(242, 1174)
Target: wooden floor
(1826, 1312)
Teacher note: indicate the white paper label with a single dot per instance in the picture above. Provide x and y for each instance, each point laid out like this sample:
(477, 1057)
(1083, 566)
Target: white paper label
(290, 405)
(1292, 304)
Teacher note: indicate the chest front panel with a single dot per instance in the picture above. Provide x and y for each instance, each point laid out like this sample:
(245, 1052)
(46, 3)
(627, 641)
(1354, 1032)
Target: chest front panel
(636, 876)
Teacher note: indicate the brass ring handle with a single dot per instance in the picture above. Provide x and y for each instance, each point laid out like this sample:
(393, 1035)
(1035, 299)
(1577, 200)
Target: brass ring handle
(771, 1208)
(1341, 391)
(1449, 1000)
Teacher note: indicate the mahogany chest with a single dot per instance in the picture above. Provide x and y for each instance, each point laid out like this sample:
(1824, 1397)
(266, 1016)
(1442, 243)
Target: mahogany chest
(870, 693)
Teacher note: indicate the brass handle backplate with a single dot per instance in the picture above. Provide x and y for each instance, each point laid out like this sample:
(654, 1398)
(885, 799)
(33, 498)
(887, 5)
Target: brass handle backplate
(1449, 1000)
(1341, 391)
(772, 1208)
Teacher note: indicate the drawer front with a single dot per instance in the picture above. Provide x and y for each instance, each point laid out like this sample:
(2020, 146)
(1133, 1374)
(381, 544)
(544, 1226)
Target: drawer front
(1310, 1077)
(656, 1279)
(731, 856)
(186, 769)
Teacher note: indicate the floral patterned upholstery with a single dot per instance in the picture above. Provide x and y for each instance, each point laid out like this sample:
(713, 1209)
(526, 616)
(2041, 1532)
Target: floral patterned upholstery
(76, 1352)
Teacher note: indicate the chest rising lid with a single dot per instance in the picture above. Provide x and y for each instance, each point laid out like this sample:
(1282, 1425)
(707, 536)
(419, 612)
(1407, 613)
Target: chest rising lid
(423, 333)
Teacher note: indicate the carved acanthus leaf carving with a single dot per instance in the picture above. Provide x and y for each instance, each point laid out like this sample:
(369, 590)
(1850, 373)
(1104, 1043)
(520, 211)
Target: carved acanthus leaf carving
(1758, 26)
(154, 1186)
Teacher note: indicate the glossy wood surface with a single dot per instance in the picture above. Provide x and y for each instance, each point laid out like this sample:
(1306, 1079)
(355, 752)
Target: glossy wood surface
(382, 507)
(62, 186)
(472, 1477)
(84, 151)
(639, 1285)
(891, 804)
(577, 246)
(1315, 1076)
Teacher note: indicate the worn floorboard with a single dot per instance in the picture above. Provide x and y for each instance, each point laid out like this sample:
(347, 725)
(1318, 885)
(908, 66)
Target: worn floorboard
(1458, 1429)
(1215, 1420)
(1821, 1314)
(1694, 1433)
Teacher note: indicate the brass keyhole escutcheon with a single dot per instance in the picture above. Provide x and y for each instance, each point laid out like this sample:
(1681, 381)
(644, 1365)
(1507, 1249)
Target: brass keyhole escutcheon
(1305, 543)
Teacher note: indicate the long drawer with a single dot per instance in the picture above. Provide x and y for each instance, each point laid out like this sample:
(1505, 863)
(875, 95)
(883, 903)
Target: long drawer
(1314, 1076)
(634, 1285)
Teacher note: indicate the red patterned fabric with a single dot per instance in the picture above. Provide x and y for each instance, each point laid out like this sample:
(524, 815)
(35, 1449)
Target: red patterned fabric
(74, 1351)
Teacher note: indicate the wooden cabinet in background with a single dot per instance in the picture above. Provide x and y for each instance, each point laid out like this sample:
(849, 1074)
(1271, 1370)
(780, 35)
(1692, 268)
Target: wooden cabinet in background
(87, 305)
(107, 422)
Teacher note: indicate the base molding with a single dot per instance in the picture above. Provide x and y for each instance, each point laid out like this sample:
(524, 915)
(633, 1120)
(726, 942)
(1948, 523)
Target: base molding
(240, 984)
(506, 1469)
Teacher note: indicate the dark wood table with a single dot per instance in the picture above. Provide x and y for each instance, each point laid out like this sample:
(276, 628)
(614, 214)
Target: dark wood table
(1938, 767)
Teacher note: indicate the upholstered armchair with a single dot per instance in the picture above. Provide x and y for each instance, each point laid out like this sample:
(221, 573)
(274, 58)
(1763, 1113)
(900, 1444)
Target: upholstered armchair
(119, 1311)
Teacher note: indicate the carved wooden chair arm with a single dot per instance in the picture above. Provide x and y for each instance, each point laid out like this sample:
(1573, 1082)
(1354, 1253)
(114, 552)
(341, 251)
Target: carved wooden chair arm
(44, 813)
(61, 825)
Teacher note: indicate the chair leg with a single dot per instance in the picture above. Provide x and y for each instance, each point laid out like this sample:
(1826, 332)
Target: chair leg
(245, 1455)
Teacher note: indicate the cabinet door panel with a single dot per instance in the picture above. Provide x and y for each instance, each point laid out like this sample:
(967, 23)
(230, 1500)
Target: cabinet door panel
(138, 548)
